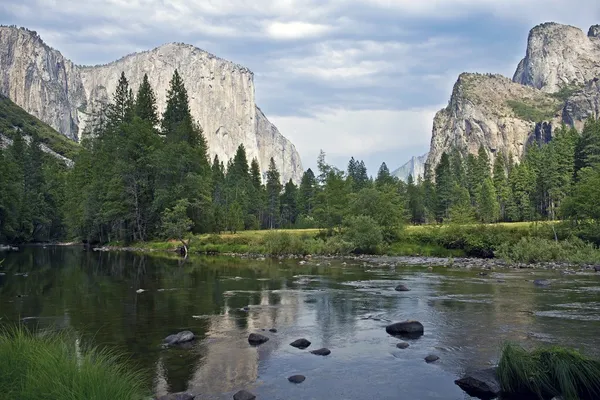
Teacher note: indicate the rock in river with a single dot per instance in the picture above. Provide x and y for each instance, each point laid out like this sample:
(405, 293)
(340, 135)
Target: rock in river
(181, 337)
(402, 288)
(273, 330)
(541, 282)
(406, 328)
(402, 345)
(243, 395)
(482, 384)
(297, 378)
(177, 396)
(256, 338)
(431, 358)
(597, 268)
(300, 344)
(321, 352)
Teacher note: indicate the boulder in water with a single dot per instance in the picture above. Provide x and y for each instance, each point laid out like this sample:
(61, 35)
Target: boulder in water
(273, 330)
(297, 378)
(406, 328)
(300, 344)
(597, 268)
(482, 384)
(431, 358)
(402, 288)
(402, 345)
(256, 339)
(541, 282)
(244, 395)
(181, 337)
(321, 352)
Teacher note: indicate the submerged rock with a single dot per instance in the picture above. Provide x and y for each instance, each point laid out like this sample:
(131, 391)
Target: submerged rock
(177, 396)
(402, 345)
(541, 282)
(273, 330)
(256, 338)
(482, 384)
(431, 358)
(297, 378)
(243, 395)
(300, 344)
(321, 352)
(181, 337)
(406, 328)
(401, 288)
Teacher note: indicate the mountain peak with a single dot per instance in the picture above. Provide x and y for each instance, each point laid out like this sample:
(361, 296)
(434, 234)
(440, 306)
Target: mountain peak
(594, 31)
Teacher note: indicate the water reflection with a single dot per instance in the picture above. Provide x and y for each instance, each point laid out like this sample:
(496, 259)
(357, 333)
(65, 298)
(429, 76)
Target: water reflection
(342, 307)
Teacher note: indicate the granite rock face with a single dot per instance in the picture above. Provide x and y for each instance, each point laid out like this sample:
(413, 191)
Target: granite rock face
(415, 167)
(221, 94)
(556, 82)
(559, 56)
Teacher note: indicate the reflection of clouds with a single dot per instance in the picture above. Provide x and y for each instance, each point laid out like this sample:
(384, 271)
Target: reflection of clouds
(228, 362)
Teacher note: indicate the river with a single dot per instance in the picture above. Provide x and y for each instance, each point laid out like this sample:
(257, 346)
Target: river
(344, 307)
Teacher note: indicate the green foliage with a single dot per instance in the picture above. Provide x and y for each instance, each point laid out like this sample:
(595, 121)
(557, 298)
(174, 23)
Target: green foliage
(532, 112)
(548, 372)
(535, 249)
(565, 92)
(175, 222)
(47, 365)
(364, 233)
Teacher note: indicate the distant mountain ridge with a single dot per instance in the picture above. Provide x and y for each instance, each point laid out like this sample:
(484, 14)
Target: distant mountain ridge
(415, 167)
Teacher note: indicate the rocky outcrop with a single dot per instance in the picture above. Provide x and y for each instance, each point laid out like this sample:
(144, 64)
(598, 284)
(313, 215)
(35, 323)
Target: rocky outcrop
(490, 111)
(583, 104)
(221, 94)
(559, 56)
(415, 167)
(5, 142)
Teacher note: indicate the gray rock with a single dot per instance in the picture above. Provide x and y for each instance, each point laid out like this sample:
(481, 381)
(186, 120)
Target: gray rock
(221, 94)
(177, 396)
(273, 330)
(402, 345)
(321, 352)
(300, 343)
(431, 358)
(482, 384)
(297, 378)
(243, 395)
(597, 268)
(406, 328)
(181, 337)
(256, 339)
(415, 167)
(541, 282)
(401, 288)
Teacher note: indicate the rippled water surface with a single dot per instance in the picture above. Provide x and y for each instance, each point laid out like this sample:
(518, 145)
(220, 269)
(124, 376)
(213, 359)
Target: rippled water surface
(342, 307)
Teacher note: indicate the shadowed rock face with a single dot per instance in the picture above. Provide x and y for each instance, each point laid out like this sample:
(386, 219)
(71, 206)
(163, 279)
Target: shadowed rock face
(221, 94)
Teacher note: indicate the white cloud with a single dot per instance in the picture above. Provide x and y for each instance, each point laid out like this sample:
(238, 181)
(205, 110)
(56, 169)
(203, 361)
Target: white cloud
(296, 30)
(358, 133)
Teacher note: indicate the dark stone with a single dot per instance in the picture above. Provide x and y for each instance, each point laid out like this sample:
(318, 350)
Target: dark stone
(402, 288)
(300, 344)
(177, 396)
(181, 337)
(273, 330)
(482, 384)
(256, 339)
(402, 345)
(321, 352)
(310, 301)
(246, 309)
(412, 329)
(483, 274)
(431, 358)
(244, 395)
(597, 268)
(541, 282)
(297, 378)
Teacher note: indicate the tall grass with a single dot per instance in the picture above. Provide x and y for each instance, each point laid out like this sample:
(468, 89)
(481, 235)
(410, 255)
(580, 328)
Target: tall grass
(548, 372)
(536, 249)
(44, 365)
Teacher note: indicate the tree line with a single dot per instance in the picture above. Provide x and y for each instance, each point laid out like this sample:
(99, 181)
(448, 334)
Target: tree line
(141, 176)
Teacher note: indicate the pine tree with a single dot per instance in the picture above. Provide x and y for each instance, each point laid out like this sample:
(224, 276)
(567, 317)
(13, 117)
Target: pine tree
(444, 185)
(501, 186)
(307, 193)
(487, 202)
(145, 102)
(177, 124)
(289, 205)
(384, 177)
(256, 198)
(273, 191)
(416, 201)
(122, 108)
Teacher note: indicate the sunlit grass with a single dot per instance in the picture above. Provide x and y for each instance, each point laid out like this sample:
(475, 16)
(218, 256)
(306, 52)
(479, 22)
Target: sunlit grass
(547, 372)
(44, 365)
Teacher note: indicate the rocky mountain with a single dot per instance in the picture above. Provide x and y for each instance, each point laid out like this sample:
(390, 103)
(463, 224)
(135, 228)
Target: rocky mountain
(65, 95)
(556, 82)
(415, 167)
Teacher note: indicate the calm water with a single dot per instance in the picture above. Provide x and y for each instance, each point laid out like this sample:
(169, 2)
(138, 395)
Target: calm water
(342, 307)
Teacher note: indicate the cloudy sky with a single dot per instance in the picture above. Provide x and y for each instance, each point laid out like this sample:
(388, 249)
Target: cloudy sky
(358, 78)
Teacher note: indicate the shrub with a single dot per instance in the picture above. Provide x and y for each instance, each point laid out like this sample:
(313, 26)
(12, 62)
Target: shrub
(281, 243)
(364, 234)
(532, 249)
(54, 366)
(548, 372)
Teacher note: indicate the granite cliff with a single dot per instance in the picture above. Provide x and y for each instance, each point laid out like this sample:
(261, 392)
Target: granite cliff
(64, 95)
(556, 82)
(415, 167)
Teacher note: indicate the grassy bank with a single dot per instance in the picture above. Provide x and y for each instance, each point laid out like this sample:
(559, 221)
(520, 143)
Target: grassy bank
(513, 242)
(548, 372)
(54, 366)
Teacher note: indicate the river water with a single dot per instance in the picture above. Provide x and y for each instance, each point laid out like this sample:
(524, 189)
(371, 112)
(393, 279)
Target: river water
(345, 308)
